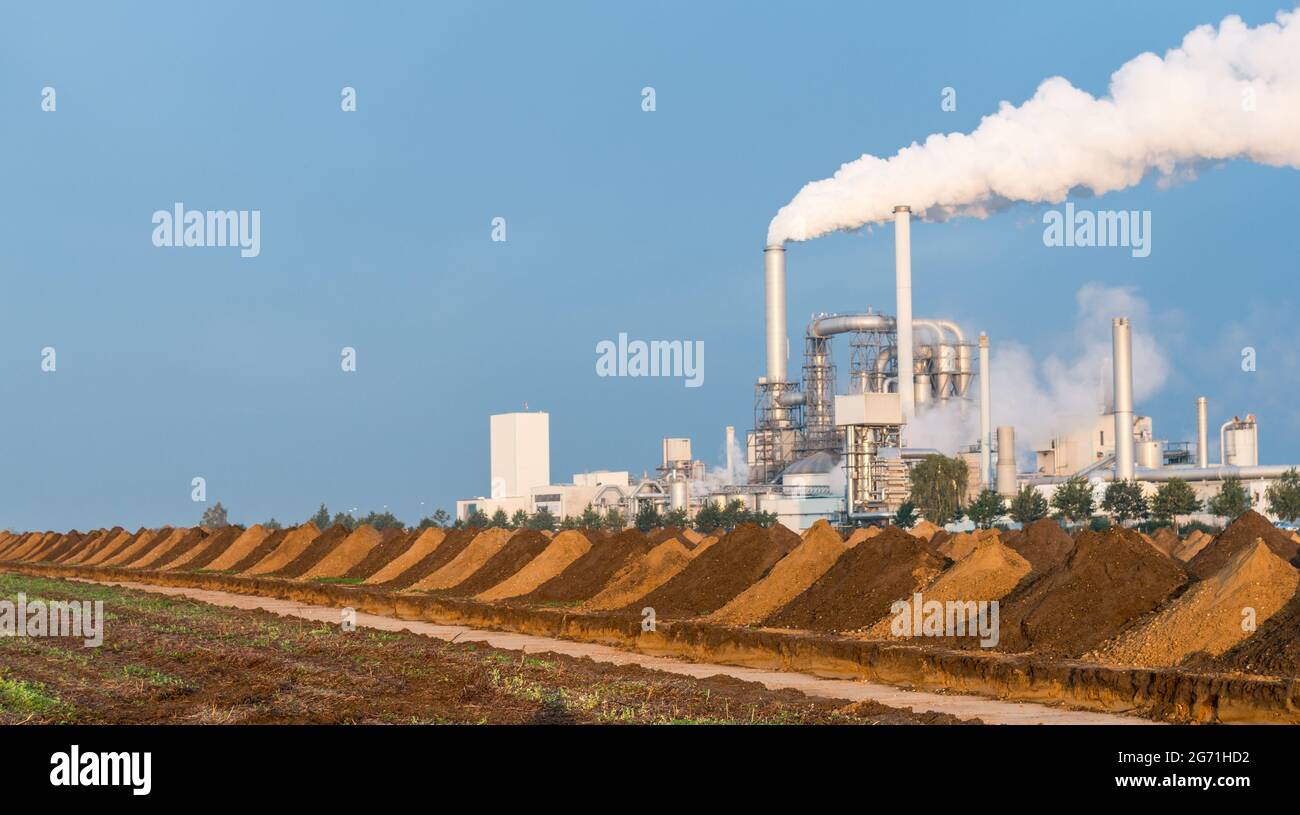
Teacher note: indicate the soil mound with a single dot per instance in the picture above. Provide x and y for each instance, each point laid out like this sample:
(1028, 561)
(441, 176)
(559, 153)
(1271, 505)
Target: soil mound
(346, 554)
(107, 558)
(182, 540)
(643, 576)
(690, 538)
(455, 542)
(1165, 540)
(519, 551)
(251, 538)
(958, 546)
(392, 543)
(861, 534)
(91, 543)
(924, 530)
(587, 575)
(988, 572)
(215, 544)
(1207, 618)
(1192, 547)
(1043, 543)
(861, 586)
(728, 567)
(292, 544)
(791, 576)
(268, 545)
(1109, 580)
(421, 546)
(316, 551)
(562, 551)
(1239, 535)
(485, 544)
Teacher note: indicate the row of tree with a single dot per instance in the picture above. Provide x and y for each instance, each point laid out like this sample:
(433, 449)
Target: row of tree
(938, 485)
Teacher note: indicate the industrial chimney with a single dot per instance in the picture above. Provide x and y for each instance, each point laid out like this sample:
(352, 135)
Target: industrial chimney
(1122, 348)
(731, 460)
(903, 285)
(1006, 483)
(986, 457)
(778, 345)
(1202, 433)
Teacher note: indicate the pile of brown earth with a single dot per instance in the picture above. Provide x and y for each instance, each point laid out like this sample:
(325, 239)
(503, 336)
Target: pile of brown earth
(1208, 618)
(724, 570)
(859, 588)
(559, 553)
(645, 574)
(586, 576)
(1109, 580)
(1239, 535)
(1043, 543)
(791, 576)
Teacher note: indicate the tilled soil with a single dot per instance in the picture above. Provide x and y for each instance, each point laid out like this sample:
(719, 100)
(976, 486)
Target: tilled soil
(559, 554)
(861, 586)
(268, 545)
(1238, 536)
(1109, 580)
(237, 550)
(207, 552)
(719, 573)
(187, 540)
(175, 661)
(587, 575)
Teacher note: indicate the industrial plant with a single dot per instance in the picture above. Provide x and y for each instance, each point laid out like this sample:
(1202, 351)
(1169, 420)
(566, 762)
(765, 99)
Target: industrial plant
(814, 454)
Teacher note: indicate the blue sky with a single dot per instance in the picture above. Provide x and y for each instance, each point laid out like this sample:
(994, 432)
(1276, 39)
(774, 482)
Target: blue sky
(376, 233)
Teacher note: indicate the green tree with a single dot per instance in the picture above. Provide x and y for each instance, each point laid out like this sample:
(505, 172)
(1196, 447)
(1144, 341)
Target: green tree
(1173, 498)
(987, 507)
(273, 525)
(709, 517)
(215, 517)
(543, 520)
(905, 518)
(478, 519)
(1073, 499)
(499, 519)
(519, 520)
(765, 519)
(614, 520)
(647, 517)
(383, 520)
(438, 519)
(321, 518)
(1124, 501)
(1284, 496)
(570, 522)
(678, 518)
(736, 513)
(938, 485)
(591, 518)
(344, 520)
(1232, 501)
(1028, 506)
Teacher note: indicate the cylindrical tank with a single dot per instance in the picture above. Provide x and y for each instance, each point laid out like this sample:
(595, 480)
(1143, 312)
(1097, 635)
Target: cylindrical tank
(1150, 454)
(921, 388)
(1241, 443)
(679, 494)
(1006, 462)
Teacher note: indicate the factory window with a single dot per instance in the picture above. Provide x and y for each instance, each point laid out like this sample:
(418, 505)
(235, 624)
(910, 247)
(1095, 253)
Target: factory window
(553, 498)
(1103, 438)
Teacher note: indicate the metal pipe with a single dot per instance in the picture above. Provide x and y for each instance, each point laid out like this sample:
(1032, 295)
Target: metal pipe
(986, 456)
(731, 456)
(1223, 447)
(1122, 348)
(778, 344)
(903, 311)
(1006, 480)
(848, 323)
(1202, 433)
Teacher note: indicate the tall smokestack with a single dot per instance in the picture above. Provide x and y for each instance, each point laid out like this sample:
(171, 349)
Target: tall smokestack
(903, 284)
(986, 454)
(1122, 347)
(778, 344)
(731, 460)
(1202, 433)
(1006, 482)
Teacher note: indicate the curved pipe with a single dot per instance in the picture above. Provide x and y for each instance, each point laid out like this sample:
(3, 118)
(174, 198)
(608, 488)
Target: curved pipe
(790, 398)
(849, 323)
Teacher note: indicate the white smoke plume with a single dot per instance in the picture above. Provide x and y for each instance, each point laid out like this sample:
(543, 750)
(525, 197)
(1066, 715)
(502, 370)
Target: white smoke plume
(1226, 93)
(1045, 395)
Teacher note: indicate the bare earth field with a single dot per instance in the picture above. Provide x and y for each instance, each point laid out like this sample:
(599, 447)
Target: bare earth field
(175, 660)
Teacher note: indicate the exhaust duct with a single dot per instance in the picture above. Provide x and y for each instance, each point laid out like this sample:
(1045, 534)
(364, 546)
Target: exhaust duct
(1202, 433)
(778, 344)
